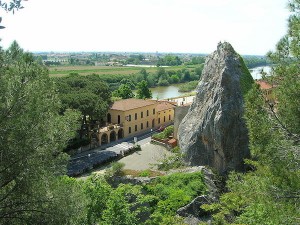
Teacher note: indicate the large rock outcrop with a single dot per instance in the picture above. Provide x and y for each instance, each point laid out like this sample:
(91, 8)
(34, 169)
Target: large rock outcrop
(213, 132)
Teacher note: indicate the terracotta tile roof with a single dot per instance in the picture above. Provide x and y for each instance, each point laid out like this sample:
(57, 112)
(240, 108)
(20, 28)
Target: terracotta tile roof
(164, 106)
(131, 103)
(264, 85)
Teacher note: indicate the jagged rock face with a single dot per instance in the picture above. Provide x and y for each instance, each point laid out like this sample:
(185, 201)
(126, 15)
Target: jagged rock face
(213, 132)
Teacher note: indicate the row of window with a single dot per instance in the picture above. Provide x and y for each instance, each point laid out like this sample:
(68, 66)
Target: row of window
(164, 119)
(136, 127)
(142, 115)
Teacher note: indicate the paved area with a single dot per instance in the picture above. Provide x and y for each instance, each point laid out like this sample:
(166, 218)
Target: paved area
(141, 160)
(145, 159)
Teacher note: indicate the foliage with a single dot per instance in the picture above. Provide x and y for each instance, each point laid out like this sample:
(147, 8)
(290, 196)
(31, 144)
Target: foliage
(33, 134)
(255, 61)
(189, 86)
(168, 131)
(172, 162)
(123, 92)
(246, 80)
(169, 60)
(116, 169)
(156, 202)
(87, 94)
(145, 173)
(269, 193)
(112, 206)
(10, 6)
(172, 192)
(143, 91)
(196, 60)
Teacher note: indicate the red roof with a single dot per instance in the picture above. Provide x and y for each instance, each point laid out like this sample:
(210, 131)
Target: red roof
(264, 85)
(164, 106)
(131, 103)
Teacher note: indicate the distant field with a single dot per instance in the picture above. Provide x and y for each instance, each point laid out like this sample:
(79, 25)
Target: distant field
(60, 71)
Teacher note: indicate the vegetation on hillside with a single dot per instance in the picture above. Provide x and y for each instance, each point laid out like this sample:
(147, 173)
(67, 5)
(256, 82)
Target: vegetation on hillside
(153, 203)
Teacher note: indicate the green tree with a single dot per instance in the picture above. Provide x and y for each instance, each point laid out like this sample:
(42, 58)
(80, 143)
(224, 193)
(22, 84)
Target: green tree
(88, 94)
(97, 192)
(33, 135)
(124, 92)
(143, 91)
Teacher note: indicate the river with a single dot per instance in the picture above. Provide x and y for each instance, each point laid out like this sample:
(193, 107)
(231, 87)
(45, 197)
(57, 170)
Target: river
(172, 91)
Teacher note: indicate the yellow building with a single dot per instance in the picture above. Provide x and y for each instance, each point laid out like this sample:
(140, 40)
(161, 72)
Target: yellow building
(165, 113)
(131, 117)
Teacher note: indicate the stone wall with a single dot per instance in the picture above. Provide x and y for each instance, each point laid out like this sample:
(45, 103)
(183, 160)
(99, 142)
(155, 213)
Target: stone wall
(179, 114)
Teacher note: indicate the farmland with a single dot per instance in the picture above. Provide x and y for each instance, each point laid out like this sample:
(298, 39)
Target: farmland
(60, 71)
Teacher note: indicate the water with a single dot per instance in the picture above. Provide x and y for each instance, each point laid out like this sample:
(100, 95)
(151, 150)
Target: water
(166, 92)
(173, 90)
(256, 72)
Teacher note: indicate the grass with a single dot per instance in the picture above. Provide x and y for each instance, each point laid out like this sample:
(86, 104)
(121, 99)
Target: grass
(59, 71)
(143, 173)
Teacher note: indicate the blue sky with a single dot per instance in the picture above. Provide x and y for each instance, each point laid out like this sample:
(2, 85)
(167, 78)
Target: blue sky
(196, 26)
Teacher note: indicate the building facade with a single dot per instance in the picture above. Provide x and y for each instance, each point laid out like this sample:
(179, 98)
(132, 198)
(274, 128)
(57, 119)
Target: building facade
(131, 117)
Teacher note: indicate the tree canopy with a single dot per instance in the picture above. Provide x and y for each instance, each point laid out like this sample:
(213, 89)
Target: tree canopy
(33, 134)
(87, 94)
(143, 91)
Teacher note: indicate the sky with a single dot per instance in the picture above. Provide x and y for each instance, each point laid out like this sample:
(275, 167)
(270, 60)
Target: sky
(253, 27)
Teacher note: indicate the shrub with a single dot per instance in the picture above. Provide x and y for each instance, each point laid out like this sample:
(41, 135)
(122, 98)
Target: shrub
(168, 131)
(145, 173)
(116, 169)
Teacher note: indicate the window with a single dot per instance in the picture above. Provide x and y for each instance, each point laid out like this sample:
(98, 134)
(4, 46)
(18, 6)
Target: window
(135, 116)
(135, 127)
(153, 111)
(169, 117)
(129, 130)
(119, 119)
(164, 118)
(142, 114)
(158, 120)
(129, 118)
(147, 124)
(147, 112)
(142, 126)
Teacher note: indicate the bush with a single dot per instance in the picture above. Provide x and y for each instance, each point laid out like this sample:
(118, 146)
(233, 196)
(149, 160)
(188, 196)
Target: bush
(145, 173)
(116, 169)
(172, 192)
(171, 162)
(168, 131)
